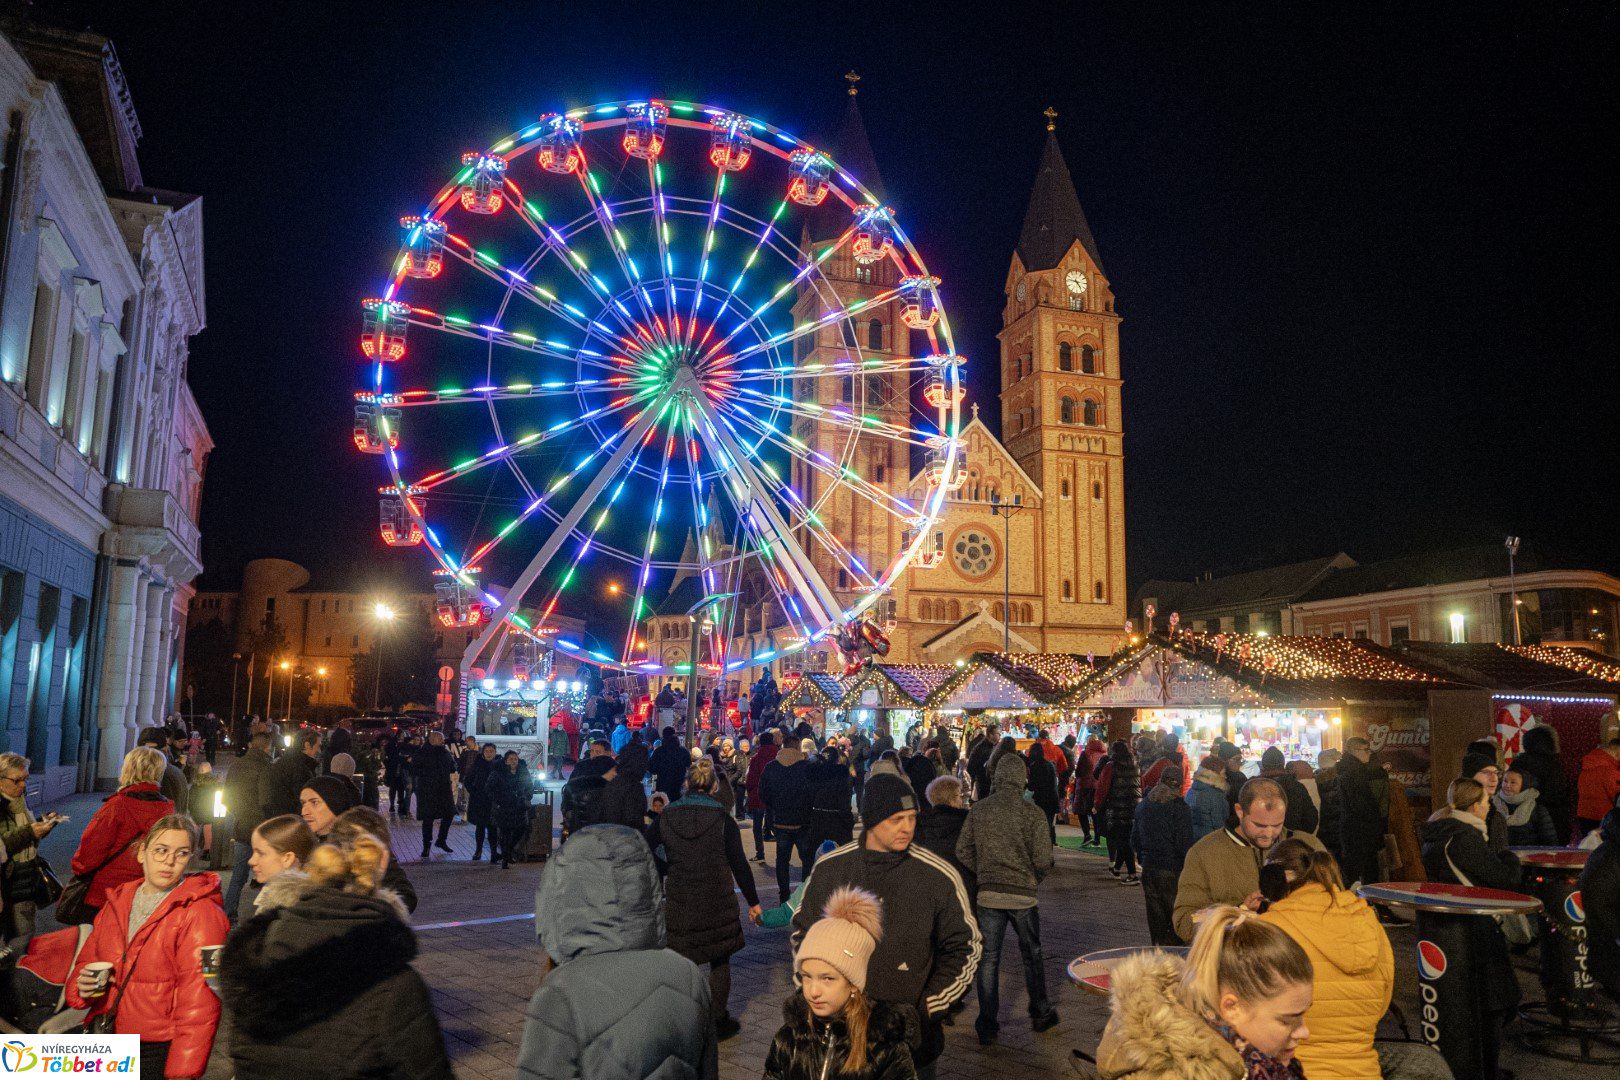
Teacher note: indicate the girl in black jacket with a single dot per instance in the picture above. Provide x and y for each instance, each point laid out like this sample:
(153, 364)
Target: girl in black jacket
(832, 1029)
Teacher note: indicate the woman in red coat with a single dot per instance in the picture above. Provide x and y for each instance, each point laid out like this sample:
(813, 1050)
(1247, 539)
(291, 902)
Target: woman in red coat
(153, 932)
(764, 753)
(107, 847)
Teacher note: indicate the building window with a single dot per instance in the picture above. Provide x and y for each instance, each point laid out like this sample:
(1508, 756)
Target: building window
(1096, 490)
(846, 388)
(1063, 488)
(1088, 359)
(1399, 632)
(863, 274)
(843, 578)
(354, 641)
(1097, 591)
(925, 610)
(1359, 631)
(41, 346)
(1065, 357)
(848, 326)
(328, 641)
(953, 611)
(1092, 415)
(1066, 410)
(874, 334)
(269, 607)
(1336, 631)
(1068, 589)
(876, 391)
(880, 472)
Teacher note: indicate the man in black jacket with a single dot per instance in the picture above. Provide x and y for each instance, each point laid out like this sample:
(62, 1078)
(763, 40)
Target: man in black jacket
(623, 799)
(431, 769)
(978, 761)
(1363, 812)
(583, 791)
(286, 776)
(1540, 760)
(931, 943)
(1600, 890)
(668, 763)
(340, 740)
(786, 789)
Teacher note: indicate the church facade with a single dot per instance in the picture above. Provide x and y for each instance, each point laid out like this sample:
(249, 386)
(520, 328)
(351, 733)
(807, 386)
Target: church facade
(1029, 551)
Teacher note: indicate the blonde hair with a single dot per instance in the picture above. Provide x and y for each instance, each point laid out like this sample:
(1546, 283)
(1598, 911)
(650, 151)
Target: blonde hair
(945, 790)
(9, 761)
(355, 868)
(1236, 952)
(1465, 793)
(288, 833)
(142, 765)
(700, 777)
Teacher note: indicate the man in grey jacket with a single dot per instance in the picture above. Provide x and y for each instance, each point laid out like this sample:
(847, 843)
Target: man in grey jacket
(618, 1003)
(1006, 844)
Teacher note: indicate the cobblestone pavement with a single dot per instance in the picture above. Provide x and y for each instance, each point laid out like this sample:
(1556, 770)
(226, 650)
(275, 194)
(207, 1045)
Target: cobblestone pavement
(478, 954)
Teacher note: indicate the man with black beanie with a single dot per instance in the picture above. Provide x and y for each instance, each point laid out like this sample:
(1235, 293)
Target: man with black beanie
(931, 943)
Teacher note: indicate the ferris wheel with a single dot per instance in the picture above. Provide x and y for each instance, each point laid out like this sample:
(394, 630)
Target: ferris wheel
(609, 371)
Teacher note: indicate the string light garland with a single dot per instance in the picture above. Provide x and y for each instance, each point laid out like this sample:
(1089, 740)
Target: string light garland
(1588, 664)
(1299, 658)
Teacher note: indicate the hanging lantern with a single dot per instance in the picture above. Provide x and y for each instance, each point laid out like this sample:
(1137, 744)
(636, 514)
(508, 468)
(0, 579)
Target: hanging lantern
(559, 147)
(809, 171)
(729, 145)
(644, 133)
(482, 192)
(382, 329)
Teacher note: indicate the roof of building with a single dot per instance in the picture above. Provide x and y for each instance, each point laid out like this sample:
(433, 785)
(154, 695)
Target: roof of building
(817, 689)
(1047, 676)
(1431, 568)
(1054, 219)
(1529, 668)
(851, 149)
(1309, 669)
(1251, 590)
(914, 682)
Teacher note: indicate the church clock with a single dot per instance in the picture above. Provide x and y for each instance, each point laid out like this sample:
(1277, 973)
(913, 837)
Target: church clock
(1075, 282)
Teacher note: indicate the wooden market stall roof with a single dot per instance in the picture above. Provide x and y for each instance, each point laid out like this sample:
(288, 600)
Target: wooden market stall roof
(1016, 680)
(817, 691)
(1524, 669)
(1248, 670)
(900, 686)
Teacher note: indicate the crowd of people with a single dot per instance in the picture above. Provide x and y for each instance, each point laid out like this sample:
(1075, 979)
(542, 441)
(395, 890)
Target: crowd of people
(914, 858)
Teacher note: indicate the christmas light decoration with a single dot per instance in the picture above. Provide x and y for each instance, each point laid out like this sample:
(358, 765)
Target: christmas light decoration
(1291, 658)
(1592, 665)
(612, 359)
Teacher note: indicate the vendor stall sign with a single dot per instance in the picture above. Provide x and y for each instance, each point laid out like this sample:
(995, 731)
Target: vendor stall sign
(1401, 747)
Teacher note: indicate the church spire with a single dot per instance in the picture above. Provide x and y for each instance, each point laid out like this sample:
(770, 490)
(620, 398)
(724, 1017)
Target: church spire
(853, 151)
(1054, 219)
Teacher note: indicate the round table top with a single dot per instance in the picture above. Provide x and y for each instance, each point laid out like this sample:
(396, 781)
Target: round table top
(1552, 858)
(1447, 899)
(1092, 972)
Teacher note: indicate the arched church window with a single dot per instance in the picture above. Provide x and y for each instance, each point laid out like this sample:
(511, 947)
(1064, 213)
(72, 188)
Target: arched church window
(1066, 410)
(863, 274)
(846, 388)
(925, 610)
(1097, 591)
(1092, 414)
(1063, 489)
(1065, 357)
(874, 334)
(849, 333)
(996, 612)
(953, 611)
(1088, 359)
(1068, 589)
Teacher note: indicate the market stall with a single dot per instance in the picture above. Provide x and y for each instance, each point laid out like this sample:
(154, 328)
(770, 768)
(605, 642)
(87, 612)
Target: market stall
(1022, 693)
(818, 699)
(891, 698)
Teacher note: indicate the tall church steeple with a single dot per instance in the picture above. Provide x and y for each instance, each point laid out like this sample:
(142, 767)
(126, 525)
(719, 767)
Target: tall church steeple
(1054, 219)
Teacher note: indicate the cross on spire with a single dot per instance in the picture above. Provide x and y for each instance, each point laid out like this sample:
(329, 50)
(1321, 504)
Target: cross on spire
(1051, 115)
(852, 78)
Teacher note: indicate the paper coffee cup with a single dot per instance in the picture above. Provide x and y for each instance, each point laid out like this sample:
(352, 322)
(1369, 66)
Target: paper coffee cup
(101, 971)
(208, 958)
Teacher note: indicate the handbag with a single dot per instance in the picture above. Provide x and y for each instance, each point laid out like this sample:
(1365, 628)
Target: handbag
(32, 882)
(71, 907)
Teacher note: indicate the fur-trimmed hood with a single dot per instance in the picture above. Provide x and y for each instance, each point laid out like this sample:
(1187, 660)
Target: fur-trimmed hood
(310, 951)
(1153, 1035)
(1211, 777)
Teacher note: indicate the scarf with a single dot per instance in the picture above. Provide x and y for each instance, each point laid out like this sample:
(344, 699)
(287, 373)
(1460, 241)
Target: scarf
(1258, 1065)
(25, 819)
(1469, 819)
(1518, 809)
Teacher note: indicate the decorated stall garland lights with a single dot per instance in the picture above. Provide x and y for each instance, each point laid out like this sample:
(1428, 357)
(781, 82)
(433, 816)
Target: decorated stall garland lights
(1303, 657)
(1592, 667)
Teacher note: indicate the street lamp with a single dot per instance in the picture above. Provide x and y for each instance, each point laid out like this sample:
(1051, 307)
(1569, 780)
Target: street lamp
(384, 615)
(1005, 511)
(236, 664)
(1512, 545)
(286, 665)
(705, 625)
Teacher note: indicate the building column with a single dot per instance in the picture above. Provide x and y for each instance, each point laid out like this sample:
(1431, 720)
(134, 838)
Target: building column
(151, 645)
(115, 708)
(163, 611)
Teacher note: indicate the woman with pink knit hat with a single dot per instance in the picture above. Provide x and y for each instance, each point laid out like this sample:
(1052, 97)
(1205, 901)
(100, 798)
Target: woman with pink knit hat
(832, 1029)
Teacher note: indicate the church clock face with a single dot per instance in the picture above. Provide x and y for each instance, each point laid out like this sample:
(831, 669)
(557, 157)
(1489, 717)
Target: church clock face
(974, 552)
(1075, 282)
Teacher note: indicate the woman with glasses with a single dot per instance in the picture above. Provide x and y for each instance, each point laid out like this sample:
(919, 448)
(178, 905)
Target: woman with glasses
(157, 934)
(20, 834)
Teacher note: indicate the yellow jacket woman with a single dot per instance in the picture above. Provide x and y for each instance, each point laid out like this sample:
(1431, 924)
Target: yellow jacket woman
(1350, 955)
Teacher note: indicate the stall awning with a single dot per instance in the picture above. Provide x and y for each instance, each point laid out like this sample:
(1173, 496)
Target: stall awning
(895, 686)
(817, 691)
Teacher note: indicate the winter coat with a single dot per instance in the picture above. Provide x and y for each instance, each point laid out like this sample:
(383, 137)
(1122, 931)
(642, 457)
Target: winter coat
(1162, 831)
(920, 772)
(830, 793)
(319, 984)
(1207, 800)
(582, 793)
(477, 784)
(1455, 850)
(1043, 782)
(931, 943)
(668, 765)
(1222, 868)
(116, 827)
(509, 797)
(1528, 823)
(763, 756)
(1005, 842)
(283, 780)
(978, 765)
(938, 829)
(621, 738)
(618, 1004)
(1118, 792)
(1302, 815)
(432, 769)
(339, 740)
(1598, 786)
(1151, 1033)
(1363, 813)
(704, 855)
(1150, 779)
(1086, 765)
(1540, 760)
(1354, 976)
(157, 982)
(785, 789)
(624, 800)
(806, 1048)
(244, 793)
(1327, 791)
(1600, 891)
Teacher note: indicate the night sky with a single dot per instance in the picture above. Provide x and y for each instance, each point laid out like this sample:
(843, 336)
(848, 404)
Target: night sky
(1365, 255)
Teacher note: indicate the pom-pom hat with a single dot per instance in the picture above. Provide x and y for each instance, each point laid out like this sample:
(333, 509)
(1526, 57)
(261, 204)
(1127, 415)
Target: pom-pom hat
(846, 934)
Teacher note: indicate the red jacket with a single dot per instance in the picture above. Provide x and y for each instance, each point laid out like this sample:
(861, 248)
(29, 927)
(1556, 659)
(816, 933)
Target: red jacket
(1179, 761)
(763, 756)
(1598, 784)
(125, 816)
(1085, 767)
(165, 997)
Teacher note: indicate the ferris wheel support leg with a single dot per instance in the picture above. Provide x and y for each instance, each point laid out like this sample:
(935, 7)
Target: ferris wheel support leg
(806, 578)
(542, 558)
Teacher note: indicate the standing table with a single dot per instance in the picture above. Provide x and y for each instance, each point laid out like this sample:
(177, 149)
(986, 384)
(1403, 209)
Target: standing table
(1572, 1009)
(1448, 977)
(1093, 972)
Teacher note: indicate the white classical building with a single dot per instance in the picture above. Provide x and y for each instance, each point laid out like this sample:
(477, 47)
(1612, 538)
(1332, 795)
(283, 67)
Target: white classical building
(102, 446)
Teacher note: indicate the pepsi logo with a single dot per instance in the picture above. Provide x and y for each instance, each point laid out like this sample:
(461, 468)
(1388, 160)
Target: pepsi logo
(1431, 960)
(1574, 909)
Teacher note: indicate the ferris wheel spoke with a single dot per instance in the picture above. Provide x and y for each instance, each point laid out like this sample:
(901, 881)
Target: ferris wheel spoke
(711, 218)
(627, 441)
(765, 234)
(456, 326)
(841, 416)
(804, 329)
(538, 295)
(603, 213)
(649, 546)
(534, 440)
(509, 392)
(655, 181)
(821, 369)
(810, 267)
(700, 512)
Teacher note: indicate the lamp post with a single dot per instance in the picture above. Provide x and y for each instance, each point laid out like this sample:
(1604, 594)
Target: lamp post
(236, 665)
(253, 662)
(1512, 545)
(1005, 511)
(699, 626)
(384, 615)
(286, 665)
